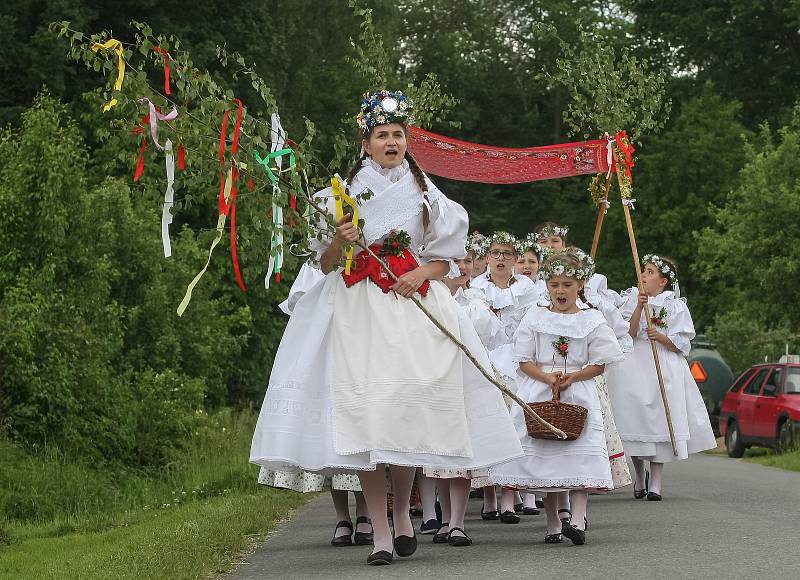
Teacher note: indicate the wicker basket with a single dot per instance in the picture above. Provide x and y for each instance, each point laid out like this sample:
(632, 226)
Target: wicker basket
(566, 416)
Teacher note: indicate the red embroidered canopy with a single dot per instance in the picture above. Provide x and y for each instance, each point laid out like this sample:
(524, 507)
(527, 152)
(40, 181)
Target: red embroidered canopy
(462, 161)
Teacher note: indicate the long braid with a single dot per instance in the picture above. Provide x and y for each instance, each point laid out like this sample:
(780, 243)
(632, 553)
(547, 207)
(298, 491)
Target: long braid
(419, 176)
(356, 168)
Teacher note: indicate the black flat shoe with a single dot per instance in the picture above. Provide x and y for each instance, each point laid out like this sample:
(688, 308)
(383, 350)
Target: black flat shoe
(489, 515)
(441, 537)
(554, 539)
(530, 511)
(642, 492)
(459, 541)
(565, 520)
(429, 527)
(576, 536)
(476, 493)
(653, 496)
(381, 558)
(363, 538)
(404, 546)
(347, 539)
(540, 503)
(509, 517)
(518, 507)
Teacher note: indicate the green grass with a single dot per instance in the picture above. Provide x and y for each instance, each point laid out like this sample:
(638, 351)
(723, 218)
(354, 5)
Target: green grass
(789, 460)
(60, 518)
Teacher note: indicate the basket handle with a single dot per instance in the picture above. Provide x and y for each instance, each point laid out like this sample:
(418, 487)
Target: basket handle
(556, 393)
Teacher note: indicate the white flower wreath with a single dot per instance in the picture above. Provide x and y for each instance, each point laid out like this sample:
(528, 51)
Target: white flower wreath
(555, 266)
(662, 266)
(549, 231)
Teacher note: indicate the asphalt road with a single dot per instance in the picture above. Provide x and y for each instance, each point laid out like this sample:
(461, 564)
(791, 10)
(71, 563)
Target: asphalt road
(720, 518)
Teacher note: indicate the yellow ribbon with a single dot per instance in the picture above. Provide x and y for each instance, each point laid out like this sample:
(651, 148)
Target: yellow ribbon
(220, 230)
(341, 197)
(116, 46)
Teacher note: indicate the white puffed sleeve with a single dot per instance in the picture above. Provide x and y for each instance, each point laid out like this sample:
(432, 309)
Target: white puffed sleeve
(325, 199)
(525, 338)
(629, 299)
(490, 329)
(618, 324)
(307, 278)
(680, 327)
(602, 346)
(446, 235)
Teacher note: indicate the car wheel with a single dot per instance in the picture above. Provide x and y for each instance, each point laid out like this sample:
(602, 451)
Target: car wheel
(786, 438)
(733, 441)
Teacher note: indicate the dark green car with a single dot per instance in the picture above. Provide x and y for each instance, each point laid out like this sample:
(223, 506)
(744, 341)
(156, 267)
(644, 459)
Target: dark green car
(712, 374)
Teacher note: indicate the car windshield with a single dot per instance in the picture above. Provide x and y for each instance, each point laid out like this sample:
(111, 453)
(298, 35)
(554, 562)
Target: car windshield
(792, 385)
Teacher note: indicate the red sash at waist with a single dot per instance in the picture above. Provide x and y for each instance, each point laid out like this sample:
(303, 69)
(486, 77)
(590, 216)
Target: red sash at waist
(365, 266)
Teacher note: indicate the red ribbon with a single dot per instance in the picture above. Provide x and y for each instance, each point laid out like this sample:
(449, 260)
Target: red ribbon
(365, 266)
(229, 207)
(181, 158)
(140, 163)
(624, 143)
(167, 58)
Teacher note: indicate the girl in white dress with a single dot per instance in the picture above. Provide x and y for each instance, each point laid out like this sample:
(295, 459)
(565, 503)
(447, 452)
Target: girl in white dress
(479, 245)
(633, 384)
(362, 379)
(454, 486)
(509, 296)
(562, 348)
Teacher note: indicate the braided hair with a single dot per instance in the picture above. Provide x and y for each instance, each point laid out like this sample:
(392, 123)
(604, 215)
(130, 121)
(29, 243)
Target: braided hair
(416, 171)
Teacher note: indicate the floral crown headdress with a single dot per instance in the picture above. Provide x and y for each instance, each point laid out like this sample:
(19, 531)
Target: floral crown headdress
(383, 107)
(558, 264)
(529, 244)
(477, 243)
(549, 231)
(663, 266)
(502, 238)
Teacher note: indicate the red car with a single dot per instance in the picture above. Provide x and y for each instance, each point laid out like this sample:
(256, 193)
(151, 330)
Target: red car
(762, 408)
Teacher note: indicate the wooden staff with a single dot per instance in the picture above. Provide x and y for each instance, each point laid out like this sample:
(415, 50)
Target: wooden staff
(601, 215)
(636, 265)
(525, 407)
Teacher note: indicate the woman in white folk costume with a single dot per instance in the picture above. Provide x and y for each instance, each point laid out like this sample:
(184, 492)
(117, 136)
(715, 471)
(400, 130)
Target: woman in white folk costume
(340, 484)
(453, 485)
(562, 348)
(509, 295)
(633, 385)
(362, 379)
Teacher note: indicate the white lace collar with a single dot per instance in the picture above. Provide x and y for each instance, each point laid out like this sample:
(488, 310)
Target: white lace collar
(577, 325)
(521, 292)
(393, 174)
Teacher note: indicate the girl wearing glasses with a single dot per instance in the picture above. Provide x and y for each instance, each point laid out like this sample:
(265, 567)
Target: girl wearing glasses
(509, 295)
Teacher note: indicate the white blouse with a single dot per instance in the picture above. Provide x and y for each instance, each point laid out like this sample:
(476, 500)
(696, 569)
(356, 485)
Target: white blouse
(679, 325)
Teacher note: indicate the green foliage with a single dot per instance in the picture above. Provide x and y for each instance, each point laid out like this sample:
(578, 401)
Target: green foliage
(610, 89)
(755, 242)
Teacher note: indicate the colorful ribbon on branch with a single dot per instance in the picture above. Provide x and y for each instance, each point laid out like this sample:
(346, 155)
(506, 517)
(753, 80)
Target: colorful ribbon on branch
(277, 151)
(227, 203)
(341, 197)
(116, 46)
(167, 58)
(228, 183)
(169, 200)
(154, 116)
(625, 146)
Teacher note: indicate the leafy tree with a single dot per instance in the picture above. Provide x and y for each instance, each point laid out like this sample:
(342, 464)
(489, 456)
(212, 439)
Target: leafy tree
(753, 248)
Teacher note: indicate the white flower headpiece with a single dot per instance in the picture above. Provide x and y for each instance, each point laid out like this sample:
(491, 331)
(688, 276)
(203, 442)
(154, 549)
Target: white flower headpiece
(529, 244)
(549, 231)
(502, 238)
(556, 265)
(478, 244)
(662, 266)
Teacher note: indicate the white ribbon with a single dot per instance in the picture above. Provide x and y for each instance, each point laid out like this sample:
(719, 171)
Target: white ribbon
(278, 137)
(155, 117)
(610, 154)
(629, 203)
(606, 203)
(169, 200)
